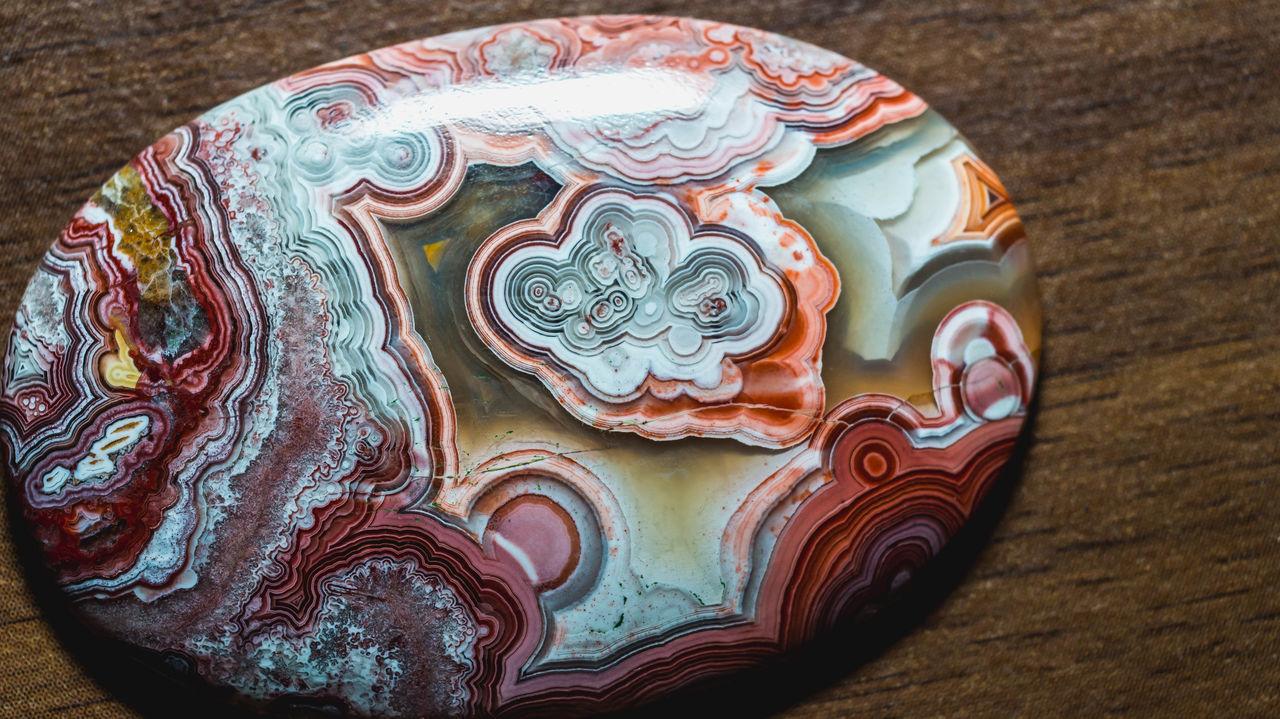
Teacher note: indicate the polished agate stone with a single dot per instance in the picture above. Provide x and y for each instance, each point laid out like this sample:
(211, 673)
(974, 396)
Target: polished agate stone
(547, 368)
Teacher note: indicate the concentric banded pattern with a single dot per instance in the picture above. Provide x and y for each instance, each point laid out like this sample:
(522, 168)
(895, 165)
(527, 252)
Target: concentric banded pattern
(629, 315)
(533, 369)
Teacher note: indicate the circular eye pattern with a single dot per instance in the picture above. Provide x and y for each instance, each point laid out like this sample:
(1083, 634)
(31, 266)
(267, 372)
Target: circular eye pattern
(539, 537)
(543, 369)
(991, 389)
(873, 462)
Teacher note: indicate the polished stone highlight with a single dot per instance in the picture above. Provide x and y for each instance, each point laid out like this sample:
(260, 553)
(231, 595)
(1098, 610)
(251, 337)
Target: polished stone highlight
(545, 368)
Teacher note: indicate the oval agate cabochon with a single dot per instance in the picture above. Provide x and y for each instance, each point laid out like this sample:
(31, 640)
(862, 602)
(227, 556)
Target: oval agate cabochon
(546, 368)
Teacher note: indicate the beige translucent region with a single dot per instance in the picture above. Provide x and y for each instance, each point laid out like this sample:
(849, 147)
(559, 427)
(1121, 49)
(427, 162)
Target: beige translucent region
(677, 496)
(873, 209)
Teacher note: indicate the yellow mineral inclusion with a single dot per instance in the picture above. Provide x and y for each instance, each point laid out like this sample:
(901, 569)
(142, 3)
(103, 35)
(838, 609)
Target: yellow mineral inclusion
(144, 234)
(117, 369)
(435, 251)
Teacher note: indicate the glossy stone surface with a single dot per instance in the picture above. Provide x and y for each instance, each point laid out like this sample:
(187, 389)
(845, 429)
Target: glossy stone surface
(549, 367)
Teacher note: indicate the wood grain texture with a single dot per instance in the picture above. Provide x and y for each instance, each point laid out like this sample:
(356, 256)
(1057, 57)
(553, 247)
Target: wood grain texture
(1135, 570)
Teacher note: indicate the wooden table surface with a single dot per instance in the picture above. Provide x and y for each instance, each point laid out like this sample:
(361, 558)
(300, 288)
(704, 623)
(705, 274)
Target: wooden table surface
(1132, 566)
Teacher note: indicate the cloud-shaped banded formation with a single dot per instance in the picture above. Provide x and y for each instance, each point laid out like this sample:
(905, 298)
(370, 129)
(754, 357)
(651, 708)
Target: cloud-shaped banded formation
(633, 292)
(638, 318)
